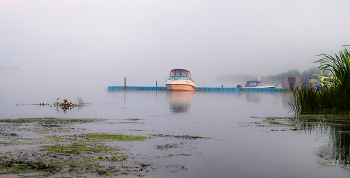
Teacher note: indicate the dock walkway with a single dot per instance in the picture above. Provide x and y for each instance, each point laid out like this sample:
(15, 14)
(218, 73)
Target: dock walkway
(197, 89)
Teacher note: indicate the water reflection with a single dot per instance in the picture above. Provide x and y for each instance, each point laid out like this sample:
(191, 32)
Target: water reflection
(273, 97)
(253, 97)
(337, 151)
(180, 101)
(287, 98)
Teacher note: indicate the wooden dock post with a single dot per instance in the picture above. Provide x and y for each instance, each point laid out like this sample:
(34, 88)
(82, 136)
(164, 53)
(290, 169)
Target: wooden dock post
(156, 84)
(124, 82)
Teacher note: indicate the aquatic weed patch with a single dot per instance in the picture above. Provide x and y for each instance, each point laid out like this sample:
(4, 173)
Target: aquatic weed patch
(60, 149)
(96, 137)
(19, 166)
(49, 120)
(79, 148)
(8, 134)
(46, 164)
(188, 137)
(75, 159)
(174, 155)
(131, 121)
(47, 125)
(23, 162)
(301, 122)
(112, 137)
(167, 146)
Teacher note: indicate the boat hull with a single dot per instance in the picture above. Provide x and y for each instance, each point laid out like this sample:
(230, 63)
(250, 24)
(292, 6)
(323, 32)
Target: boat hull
(180, 87)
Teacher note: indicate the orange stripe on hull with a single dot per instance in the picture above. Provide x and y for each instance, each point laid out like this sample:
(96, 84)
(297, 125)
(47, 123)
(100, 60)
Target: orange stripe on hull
(181, 87)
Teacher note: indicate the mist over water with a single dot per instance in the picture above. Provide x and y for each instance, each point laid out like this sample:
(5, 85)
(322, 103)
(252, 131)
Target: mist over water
(241, 141)
(95, 44)
(70, 49)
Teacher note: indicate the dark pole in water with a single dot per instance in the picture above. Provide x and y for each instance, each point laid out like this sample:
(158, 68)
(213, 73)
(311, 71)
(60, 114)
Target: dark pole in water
(156, 83)
(222, 86)
(124, 82)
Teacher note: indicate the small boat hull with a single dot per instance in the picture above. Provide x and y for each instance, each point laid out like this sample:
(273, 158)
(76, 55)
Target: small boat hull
(256, 84)
(269, 86)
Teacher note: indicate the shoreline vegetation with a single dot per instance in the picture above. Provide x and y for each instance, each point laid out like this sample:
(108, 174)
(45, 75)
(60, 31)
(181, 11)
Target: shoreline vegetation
(328, 99)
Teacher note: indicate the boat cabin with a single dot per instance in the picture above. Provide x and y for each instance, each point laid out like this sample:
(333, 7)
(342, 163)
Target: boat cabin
(180, 74)
(317, 80)
(253, 83)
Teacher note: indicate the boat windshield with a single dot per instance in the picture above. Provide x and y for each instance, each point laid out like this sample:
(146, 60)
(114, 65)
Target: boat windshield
(184, 73)
(189, 75)
(177, 73)
(252, 84)
(180, 73)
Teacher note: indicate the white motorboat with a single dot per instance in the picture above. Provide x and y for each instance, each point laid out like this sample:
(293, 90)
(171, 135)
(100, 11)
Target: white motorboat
(256, 84)
(180, 79)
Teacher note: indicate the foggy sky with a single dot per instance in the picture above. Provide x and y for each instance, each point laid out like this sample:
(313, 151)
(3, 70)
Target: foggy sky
(98, 43)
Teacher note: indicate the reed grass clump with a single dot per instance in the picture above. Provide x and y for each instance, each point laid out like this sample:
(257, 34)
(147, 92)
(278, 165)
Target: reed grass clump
(332, 98)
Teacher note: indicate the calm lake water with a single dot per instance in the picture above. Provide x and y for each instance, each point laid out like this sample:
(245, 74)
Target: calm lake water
(241, 141)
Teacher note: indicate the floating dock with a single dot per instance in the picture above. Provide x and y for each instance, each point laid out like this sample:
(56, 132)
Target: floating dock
(197, 89)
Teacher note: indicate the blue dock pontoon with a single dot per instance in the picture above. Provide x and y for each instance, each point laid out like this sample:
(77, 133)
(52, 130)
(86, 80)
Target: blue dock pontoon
(197, 89)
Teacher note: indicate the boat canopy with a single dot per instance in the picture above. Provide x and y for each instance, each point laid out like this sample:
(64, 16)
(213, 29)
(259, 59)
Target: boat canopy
(180, 74)
(253, 83)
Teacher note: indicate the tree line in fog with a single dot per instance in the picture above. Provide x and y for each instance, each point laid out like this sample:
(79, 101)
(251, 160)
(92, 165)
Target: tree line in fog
(270, 79)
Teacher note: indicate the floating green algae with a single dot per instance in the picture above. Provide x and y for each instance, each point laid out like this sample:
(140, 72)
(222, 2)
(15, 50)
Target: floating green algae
(19, 166)
(96, 137)
(78, 148)
(50, 120)
(88, 143)
(112, 137)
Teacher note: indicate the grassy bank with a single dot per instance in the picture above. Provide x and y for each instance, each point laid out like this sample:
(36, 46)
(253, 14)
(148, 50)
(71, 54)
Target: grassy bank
(332, 98)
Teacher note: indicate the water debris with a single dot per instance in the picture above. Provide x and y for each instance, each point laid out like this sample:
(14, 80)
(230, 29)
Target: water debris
(66, 105)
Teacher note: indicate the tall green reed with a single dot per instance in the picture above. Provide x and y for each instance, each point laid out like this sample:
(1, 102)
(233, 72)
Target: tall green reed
(331, 98)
